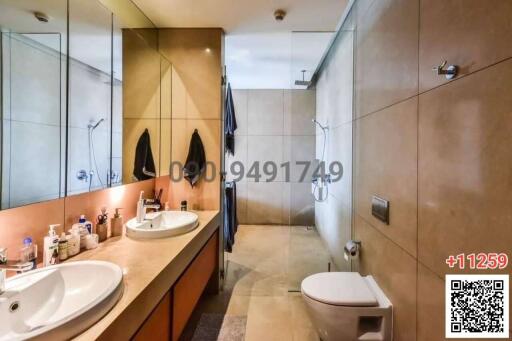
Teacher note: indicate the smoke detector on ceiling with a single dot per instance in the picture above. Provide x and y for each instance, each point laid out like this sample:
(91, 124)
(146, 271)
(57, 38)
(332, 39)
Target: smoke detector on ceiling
(279, 14)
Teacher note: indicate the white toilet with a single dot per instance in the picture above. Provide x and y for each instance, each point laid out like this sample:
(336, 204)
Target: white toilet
(344, 306)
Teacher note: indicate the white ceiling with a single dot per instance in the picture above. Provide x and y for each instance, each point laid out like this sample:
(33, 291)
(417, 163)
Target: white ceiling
(249, 16)
(260, 52)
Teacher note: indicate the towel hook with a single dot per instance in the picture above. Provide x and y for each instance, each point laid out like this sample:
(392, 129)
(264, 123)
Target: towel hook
(450, 72)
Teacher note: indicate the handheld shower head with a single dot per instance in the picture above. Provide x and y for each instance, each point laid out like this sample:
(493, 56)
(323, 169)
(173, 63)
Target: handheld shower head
(94, 126)
(324, 128)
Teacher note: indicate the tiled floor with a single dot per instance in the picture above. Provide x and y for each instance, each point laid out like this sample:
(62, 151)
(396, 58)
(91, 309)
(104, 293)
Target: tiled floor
(266, 267)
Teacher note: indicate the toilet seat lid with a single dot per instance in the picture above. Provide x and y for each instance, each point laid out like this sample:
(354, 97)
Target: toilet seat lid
(339, 288)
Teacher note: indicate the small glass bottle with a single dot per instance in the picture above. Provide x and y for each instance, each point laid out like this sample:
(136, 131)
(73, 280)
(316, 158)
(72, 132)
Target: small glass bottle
(28, 252)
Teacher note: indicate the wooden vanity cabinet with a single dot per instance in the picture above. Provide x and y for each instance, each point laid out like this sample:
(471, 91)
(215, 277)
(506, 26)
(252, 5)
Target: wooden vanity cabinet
(158, 324)
(171, 315)
(191, 284)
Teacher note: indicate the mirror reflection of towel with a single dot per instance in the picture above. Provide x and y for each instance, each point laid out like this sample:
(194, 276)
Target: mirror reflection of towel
(144, 165)
(195, 165)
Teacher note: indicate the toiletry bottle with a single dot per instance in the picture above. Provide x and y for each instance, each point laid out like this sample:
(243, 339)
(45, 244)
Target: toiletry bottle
(87, 223)
(63, 247)
(51, 247)
(28, 252)
(184, 205)
(116, 224)
(84, 230)
(74, 241)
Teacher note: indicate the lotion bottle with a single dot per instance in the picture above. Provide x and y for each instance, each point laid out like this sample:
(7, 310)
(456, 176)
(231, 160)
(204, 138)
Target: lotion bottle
(116, 224)
(51, 247)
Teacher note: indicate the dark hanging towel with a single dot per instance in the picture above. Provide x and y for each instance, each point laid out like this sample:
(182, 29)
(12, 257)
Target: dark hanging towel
(230, 217)
(196, 160)
(230, 122)
(144, 165)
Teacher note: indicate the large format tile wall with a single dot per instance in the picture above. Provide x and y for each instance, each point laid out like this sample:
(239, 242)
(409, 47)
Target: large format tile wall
(436, 149)
(275, 126)
(196, 55)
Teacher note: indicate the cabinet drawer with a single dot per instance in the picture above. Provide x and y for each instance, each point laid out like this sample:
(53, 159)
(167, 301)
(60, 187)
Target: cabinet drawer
(190, 286)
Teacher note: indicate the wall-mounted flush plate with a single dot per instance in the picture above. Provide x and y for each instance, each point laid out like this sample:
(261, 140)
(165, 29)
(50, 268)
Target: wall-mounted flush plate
(380, 209)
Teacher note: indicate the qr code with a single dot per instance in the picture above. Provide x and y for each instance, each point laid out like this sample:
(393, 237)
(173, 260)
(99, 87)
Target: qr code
(477, 306)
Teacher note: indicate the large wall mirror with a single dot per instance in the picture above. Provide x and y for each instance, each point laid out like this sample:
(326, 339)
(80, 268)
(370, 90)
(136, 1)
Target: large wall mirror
(85, 98)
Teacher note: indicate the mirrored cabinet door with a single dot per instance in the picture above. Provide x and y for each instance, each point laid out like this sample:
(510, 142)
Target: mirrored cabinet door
(89, 96)
(85, 99)
(32, 91)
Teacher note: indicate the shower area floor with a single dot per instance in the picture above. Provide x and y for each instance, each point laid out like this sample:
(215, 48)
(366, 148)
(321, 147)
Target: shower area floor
(261, 298)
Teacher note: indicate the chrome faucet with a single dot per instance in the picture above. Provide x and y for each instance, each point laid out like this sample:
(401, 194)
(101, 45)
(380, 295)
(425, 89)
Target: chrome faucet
(142, 206)
(8, 265)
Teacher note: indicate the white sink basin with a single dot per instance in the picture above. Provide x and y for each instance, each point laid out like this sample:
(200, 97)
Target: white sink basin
(162, 224)
(58, 302)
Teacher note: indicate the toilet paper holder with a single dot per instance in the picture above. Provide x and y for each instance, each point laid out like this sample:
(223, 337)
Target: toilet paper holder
(352, 248)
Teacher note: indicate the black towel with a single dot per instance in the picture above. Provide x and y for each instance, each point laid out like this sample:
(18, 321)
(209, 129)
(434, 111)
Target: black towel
(144, 165)
(230, 122)
(230, 217)
(195, 165)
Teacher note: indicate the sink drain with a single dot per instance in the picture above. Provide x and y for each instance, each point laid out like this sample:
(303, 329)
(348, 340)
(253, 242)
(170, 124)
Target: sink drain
(14, 306)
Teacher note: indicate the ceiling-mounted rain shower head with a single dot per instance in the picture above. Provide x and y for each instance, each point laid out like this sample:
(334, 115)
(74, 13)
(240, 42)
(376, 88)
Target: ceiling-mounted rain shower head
(302, 82)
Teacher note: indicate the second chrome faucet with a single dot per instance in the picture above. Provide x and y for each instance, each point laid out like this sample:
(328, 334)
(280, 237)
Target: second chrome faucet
(143, 205)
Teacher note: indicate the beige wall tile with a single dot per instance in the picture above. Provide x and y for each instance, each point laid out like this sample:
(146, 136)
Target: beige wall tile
(464, 167)
(196, 57)
(395, 272)
(299, 110)
(141, 78)
(431, 312)
(471, 34)
(386, 166)
(264, 202)
(386, 54)
(179, 96)
(340, 150)
(265, 112)
(206, 195)
(334, 224)
(264, 149)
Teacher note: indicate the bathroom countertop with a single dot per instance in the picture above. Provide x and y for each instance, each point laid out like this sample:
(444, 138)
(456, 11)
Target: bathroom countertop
(150, 268)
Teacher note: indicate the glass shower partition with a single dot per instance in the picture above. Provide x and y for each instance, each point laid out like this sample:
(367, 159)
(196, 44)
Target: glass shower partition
(320, 215)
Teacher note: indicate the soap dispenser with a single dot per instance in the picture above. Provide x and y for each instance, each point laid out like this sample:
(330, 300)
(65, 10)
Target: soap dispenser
(51, 247)
(116, 224)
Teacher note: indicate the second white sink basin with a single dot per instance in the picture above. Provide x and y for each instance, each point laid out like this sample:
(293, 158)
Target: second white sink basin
(58, 302)
(162, 224)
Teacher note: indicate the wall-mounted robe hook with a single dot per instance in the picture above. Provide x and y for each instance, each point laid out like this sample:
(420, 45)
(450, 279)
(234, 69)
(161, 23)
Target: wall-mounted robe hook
(450, 72)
